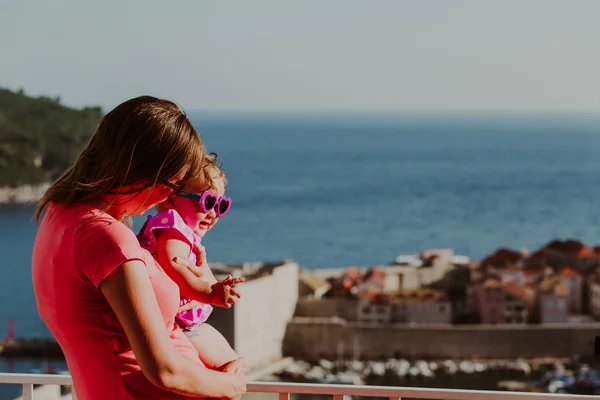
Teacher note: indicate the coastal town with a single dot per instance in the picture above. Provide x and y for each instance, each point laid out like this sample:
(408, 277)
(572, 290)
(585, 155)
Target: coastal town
(515, 320)
(558, 283)
(524, 304)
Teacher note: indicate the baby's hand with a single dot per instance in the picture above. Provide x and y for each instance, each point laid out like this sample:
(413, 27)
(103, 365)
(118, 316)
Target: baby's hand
(224, 294)
(189, 306)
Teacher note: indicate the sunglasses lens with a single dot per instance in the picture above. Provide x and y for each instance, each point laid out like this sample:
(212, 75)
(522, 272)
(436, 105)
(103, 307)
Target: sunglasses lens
(224, 206)
(209, 202)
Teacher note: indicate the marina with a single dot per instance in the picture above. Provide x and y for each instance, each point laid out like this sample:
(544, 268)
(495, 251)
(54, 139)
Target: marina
(548, 375)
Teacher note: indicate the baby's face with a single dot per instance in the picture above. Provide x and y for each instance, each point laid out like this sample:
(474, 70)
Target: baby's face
(191, 211)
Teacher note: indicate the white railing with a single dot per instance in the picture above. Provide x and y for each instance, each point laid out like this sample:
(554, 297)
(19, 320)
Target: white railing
(337, 391)
(28, 380)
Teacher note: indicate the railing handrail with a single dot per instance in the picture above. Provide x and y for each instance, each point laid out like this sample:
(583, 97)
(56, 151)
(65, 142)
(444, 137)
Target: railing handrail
(334, 390)
(36, 379)
(395, 391)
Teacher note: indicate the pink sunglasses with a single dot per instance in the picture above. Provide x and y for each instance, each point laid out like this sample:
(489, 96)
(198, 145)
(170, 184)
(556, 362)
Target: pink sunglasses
(209, 201)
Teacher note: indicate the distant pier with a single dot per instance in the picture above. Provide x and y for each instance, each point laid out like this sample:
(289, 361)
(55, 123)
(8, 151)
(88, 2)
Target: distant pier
(31, 347)
(12, 346)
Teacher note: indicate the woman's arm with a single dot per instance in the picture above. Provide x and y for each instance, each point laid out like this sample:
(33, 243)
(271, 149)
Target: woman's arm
(129, 292)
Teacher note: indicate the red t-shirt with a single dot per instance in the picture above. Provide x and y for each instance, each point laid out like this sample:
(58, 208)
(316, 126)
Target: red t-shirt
(72, 254)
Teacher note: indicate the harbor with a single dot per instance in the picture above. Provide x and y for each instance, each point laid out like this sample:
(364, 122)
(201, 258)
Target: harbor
(12, 346)
(568, 375)
(31, 348)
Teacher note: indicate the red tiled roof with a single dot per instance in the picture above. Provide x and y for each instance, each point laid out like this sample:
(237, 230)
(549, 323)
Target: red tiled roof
(348, 280)
(586, 252)
(533, 268)
(373, 297)
(353, 273)
(569, 272)
(536, 256)
(502, 257)
(516, 290)
(570, 246)
(375, 274)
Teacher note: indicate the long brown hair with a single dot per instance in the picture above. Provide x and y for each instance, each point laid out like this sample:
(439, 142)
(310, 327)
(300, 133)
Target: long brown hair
(142, 142)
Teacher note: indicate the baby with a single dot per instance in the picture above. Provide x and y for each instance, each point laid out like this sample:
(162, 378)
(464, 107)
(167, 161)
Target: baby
(173, 237)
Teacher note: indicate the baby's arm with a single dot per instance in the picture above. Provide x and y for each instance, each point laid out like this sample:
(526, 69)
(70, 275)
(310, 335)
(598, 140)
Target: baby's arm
(195, 282)
(213, 349)
(171, 245)
(203, 271)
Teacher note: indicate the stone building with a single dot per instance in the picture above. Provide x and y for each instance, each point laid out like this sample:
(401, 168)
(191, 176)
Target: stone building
(256, 325)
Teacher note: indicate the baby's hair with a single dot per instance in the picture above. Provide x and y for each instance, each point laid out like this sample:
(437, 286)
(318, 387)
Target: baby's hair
(213, 169)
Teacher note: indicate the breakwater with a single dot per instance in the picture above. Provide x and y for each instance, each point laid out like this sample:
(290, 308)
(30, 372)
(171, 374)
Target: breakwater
(33, 347)
(312, 339)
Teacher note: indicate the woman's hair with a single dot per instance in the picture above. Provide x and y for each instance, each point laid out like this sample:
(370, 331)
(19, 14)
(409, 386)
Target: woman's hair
(142, 142)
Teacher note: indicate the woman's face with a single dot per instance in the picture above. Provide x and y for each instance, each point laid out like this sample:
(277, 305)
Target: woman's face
(146, 199)
(135, 204)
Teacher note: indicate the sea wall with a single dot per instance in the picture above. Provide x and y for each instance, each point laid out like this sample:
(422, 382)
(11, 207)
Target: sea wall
(255, 327)
(345, 308)
(315, 338)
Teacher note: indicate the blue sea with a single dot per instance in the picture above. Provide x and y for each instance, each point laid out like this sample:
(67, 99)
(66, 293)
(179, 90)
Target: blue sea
(355, 189)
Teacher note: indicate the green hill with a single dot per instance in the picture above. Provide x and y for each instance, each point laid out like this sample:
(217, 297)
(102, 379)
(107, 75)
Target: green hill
(39, 137)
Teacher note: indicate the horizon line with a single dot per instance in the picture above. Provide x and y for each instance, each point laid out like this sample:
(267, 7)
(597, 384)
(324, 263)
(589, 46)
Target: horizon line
(390, 112)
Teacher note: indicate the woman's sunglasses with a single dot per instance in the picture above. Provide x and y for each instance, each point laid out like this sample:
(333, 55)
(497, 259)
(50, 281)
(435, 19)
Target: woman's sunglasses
(175, 187)
(209, 201)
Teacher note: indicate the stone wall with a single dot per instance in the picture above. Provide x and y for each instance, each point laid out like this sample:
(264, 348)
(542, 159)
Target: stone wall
(315, 338)
(327, 307)
(256, 325)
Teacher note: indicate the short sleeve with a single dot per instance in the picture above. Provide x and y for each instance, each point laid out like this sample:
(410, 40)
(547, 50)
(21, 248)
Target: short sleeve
(169, 219)
(102, 245)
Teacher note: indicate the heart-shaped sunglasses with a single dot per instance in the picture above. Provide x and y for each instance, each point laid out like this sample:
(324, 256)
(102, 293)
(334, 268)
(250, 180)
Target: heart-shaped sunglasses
(209, 201)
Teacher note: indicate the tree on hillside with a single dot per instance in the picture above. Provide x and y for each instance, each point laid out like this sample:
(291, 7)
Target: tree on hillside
(39, 137)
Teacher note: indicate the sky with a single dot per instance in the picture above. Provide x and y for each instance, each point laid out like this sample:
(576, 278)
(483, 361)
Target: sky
(326, 55)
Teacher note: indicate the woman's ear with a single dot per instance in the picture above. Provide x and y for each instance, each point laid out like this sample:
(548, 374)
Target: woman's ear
(170, 201)
(165, 205)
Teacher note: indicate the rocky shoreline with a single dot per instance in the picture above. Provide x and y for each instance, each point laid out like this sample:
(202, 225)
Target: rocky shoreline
(22, 195)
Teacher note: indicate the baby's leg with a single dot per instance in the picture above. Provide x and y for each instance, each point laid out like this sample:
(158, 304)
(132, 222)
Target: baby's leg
(213, 349)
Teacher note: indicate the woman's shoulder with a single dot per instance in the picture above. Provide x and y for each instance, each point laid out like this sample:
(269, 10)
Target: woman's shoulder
(98, 223)
(81, 217)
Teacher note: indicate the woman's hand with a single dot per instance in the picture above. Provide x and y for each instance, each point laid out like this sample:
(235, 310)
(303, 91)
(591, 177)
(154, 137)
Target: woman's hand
(129, 292)
(236, 368)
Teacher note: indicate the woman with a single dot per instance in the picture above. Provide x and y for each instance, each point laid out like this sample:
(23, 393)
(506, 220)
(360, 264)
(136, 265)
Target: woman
(106, 301)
